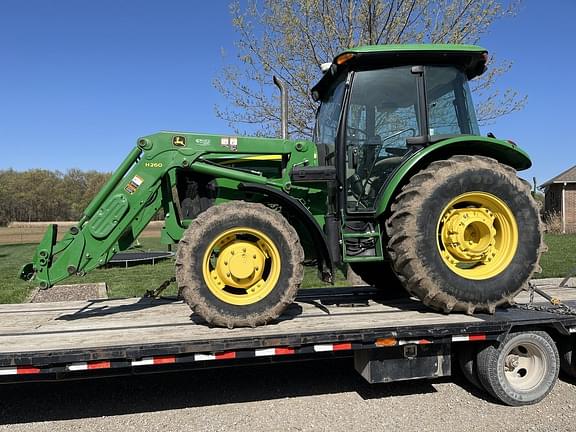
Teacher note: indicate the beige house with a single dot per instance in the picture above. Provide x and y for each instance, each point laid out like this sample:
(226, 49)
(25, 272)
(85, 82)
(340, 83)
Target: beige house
(560, 198)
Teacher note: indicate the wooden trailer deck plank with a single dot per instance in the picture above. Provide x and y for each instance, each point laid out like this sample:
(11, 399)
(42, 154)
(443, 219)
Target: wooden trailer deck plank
(125, 322)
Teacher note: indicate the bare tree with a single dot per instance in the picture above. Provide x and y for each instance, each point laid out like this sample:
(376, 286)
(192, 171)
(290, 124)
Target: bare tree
(291, 38)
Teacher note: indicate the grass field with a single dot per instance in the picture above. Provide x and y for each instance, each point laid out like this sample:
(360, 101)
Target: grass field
(561, 256)
(122, 282)
(134, 281)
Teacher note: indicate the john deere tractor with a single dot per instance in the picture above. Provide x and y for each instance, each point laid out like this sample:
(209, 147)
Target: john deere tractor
(397, 182)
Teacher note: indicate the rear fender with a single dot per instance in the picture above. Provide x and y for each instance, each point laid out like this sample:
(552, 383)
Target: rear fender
(503, 151)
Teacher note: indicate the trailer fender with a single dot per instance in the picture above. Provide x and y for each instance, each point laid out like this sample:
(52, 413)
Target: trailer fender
(505, 152)
(302, 213)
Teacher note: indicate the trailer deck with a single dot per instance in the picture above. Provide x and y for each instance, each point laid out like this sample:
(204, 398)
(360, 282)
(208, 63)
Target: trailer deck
(55, 338)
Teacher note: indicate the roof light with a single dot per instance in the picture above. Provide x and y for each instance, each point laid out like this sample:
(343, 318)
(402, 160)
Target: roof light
(325, 67)
(343, 58)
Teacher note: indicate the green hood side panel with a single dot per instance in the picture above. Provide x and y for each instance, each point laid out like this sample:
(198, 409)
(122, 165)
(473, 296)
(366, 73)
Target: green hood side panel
(503, 151)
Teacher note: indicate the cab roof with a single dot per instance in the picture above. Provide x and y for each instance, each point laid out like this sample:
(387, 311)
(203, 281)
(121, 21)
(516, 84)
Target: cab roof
(471, 58)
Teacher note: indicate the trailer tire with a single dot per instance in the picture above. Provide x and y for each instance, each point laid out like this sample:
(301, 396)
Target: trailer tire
(567, 359)
(469, 365)
(239, 264)
(464, 235)
(522, 370)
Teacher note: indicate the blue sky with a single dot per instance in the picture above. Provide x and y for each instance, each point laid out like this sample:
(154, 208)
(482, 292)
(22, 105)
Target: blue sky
(81, 80)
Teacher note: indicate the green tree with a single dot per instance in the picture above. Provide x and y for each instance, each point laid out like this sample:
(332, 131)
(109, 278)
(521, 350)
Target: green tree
(291, 38)
(42, 195)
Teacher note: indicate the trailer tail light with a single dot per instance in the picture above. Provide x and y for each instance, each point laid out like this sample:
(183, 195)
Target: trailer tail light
(386, 342)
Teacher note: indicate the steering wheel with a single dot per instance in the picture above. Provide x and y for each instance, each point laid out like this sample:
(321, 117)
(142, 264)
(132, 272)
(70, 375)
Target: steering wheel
(394, 151)
(379, 164)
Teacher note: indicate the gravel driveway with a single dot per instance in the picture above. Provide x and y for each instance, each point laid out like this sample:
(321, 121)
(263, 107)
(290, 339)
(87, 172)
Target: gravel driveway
(325, 395)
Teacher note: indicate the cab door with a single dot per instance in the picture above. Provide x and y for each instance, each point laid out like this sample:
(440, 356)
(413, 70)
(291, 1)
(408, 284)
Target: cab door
(382, 112)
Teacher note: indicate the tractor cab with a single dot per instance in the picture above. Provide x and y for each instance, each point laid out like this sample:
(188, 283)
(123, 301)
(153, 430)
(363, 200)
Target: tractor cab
(380, 104)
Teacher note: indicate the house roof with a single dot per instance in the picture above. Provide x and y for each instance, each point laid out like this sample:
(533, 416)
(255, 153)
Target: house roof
(568, 176)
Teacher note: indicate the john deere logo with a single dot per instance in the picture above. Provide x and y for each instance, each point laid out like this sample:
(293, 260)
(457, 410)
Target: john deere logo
(179, 141)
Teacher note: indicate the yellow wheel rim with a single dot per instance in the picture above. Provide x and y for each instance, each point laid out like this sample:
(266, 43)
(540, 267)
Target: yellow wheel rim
(241, 266)
(477, 235)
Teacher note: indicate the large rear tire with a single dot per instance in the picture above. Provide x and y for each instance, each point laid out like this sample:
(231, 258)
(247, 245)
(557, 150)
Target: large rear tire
(465, 234)
(239, 264)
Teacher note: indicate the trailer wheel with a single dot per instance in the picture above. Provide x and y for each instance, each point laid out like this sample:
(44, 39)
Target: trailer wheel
(382, 276)
(239, 264)
(567, 359)
(522, 370)
(469, 365)
(465, 235)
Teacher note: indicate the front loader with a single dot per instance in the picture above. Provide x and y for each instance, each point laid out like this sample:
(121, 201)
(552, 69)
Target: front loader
(397, 182)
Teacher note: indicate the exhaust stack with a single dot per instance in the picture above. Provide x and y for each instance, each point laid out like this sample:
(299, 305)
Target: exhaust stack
(283, 107)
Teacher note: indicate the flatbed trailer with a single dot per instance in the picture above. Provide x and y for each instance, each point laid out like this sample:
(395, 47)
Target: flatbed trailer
(389, 339)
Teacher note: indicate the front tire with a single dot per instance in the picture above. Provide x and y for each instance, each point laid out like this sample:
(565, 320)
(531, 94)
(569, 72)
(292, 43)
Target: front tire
(239, 264)
(465, 234)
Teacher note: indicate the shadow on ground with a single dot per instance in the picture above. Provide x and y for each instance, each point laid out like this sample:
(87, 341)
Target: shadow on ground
(33, 402)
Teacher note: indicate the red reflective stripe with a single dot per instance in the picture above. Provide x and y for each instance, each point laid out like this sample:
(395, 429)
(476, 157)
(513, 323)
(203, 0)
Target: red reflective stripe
(226, 355)
(98, 365)
(342, 346)
(27, 370)
(477, 337)
(424, 342)
(164, 360)
(283, 351)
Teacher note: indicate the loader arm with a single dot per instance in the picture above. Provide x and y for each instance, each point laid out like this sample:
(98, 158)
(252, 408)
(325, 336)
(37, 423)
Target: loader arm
(136, 191)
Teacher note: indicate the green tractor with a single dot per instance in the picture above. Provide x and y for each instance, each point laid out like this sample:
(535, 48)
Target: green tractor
(397, 183)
